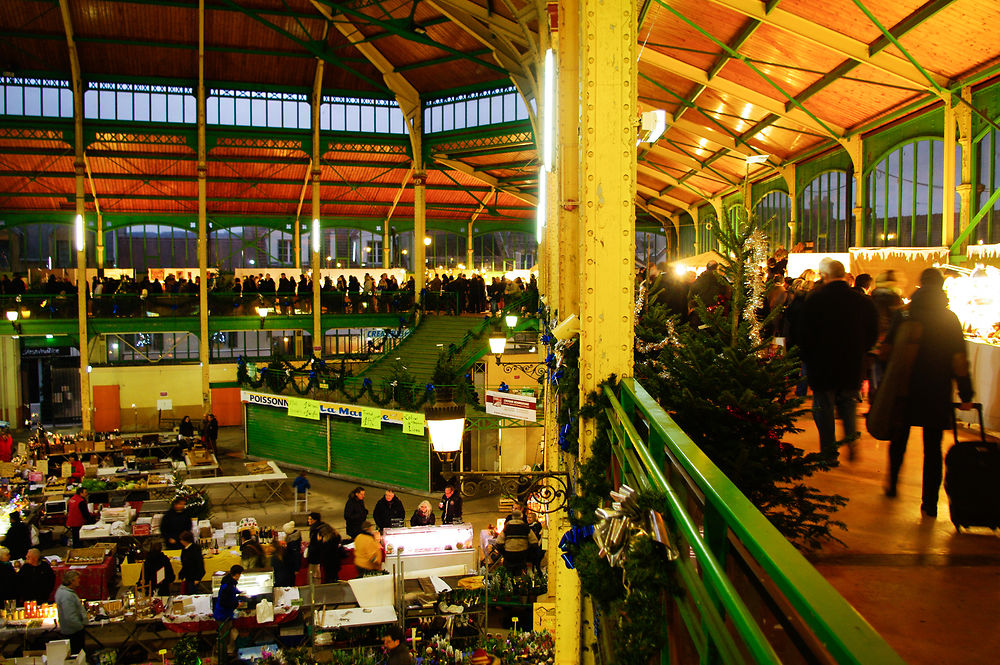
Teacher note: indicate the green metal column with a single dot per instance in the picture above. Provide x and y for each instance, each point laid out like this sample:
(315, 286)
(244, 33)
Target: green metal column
(316, 248)
(855, 150)
(80, 171)
(788, 173)
(948, 179)
(203, 347)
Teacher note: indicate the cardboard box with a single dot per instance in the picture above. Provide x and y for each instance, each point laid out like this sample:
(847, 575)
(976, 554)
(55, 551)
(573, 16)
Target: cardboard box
(100, 446)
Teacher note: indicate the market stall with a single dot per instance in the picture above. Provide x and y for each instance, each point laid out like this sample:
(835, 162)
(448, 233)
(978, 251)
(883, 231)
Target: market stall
(97, 569)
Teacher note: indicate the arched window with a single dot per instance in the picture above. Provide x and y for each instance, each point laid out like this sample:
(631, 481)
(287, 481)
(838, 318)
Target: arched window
(825, 213)
(250, 247)
(988, 180)
(650, 247)
(505, 250)
(774, 210)
(906, 196)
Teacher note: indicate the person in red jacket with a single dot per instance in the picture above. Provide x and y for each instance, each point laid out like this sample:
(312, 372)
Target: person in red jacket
(6, 446)
(78, 470)
(77, 514)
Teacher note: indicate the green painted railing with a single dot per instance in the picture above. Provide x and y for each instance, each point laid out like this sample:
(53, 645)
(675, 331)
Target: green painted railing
(750, 596)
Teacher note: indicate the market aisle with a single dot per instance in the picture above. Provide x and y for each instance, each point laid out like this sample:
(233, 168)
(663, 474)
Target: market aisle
(932, 593)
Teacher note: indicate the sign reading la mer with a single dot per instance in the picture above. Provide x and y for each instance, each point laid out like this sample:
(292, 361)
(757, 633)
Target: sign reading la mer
(329, 408)
(522, 407)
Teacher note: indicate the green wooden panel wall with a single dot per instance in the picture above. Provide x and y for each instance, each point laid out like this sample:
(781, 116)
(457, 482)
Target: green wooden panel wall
(272, 434)
(385, 455)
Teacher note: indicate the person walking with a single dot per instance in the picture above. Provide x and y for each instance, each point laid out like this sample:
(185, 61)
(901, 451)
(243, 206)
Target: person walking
(368, 555)
(69, 611)
(192, 564)
(940, 359)
(355, 512)
(175, 522)
(839, 326)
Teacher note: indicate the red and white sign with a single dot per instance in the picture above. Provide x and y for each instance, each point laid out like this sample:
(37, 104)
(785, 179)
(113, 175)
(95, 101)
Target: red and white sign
(509, 405)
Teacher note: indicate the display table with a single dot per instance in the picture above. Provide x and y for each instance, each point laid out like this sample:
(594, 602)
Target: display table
(241, 623)
(355, 616)
(427, 547)
(215, 564)
(272, 482)
(95, 578)
(984, 365)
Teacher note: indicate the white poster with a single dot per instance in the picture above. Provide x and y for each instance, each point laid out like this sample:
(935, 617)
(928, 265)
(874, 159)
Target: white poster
(509, 405)
(164, 404)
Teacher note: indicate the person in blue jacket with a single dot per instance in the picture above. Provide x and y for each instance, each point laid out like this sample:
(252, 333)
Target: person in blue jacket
(229, 595)
(225, 609)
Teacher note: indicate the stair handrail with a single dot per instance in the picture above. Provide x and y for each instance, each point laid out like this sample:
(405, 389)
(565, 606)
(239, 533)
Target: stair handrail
(841, 633)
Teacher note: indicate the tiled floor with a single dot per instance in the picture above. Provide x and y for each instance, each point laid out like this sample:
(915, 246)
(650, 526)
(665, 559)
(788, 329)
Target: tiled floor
(934, 594)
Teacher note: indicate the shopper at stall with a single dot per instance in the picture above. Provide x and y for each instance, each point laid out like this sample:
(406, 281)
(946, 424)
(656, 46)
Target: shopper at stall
(940, 359)
(192, 563)
(157, 571)
(8, 577)
(186, 428)
(36, 579)
(423, 515)
(451, 506)
(535, 552)
(389, 512)
(77, 514)
(293, 550)
(368, 554)
(77, 471)
(212, 432)
(229, 595)
(18, 538)
(321, 537)
(515, 542)
(394, 641)
(355, 512)
(251, 551)
(69, 611)
(175, 522)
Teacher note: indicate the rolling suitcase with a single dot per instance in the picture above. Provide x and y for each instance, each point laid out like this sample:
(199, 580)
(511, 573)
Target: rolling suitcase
(972, 479)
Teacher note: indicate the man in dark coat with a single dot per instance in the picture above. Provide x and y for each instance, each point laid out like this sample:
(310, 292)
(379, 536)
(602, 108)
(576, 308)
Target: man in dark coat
(192, 564)
(839, 325)
(451, 506)
(175, 522)
(940, 359)
(18, 539)
(36, 580)
(389, 511)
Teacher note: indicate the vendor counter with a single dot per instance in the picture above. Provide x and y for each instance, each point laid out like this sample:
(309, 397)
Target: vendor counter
(215, 564)
(429, 547)
(984, 364)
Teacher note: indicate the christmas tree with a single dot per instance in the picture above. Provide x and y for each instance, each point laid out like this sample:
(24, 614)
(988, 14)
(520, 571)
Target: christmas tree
(733, 393)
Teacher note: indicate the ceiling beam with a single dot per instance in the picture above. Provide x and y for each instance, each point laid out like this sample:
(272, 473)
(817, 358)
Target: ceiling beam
(831, 39)
(469, 170)
(697, 75)
(503, 27)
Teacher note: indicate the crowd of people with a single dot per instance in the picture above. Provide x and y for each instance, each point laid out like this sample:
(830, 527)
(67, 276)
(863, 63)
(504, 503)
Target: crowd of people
(124, 296)
(844, 329)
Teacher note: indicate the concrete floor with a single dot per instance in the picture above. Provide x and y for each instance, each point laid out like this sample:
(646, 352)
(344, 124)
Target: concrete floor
(931, 592)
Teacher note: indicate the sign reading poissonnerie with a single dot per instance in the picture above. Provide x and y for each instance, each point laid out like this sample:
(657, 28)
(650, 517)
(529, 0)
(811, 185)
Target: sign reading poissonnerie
(334, 409)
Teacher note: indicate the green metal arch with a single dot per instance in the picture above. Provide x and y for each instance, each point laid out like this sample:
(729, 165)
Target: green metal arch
(756, 202)
(888, 151)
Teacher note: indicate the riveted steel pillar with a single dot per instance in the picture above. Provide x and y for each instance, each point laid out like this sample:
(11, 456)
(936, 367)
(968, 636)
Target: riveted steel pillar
(788, 173)
(202, 171)
(314, 250)
(963, 117)
(948, 180)
(568, 95)
(855, 150)
(607, 217)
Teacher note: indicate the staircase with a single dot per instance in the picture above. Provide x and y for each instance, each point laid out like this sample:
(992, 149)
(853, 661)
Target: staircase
(420, 350)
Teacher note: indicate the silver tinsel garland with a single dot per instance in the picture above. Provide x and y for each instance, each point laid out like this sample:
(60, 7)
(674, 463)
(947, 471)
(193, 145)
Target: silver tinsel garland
(755, 279)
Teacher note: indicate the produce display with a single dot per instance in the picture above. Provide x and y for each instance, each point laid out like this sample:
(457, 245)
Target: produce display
(974, 296)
